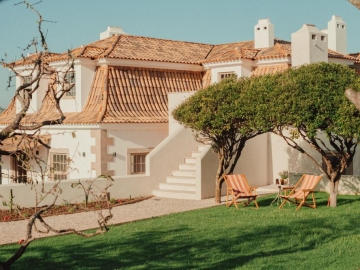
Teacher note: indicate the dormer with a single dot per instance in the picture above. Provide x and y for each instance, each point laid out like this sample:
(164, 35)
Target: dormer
(309, 45)
(264, 34)
(337, 35)
(112, 31)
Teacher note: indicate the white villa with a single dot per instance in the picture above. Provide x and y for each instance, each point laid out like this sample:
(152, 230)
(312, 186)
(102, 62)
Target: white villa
(120, 110)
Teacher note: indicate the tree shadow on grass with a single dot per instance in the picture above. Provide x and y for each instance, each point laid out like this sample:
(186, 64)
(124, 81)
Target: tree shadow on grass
(180, 243)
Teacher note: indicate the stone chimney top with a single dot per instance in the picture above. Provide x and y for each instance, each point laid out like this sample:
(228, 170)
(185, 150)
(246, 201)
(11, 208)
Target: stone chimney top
(337, 34)
(112, 31)
(264, 34)
(308, 45)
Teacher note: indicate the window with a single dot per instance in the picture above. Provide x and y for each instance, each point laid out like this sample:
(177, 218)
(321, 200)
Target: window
(59, 166)
(136, 160)
(138, 163)
(18, 167)
(225, 75)
(335, 162)
(313, 37)
(28, 79)
(69, 79)
(343, 26)
(323, 38)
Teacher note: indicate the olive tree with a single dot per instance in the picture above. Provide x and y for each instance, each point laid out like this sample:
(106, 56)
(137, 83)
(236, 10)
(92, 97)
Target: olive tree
(220, 115)
(311, 108)
(25, 135)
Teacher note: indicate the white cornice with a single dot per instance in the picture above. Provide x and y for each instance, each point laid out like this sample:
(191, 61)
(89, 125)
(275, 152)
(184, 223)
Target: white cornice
(149, 64)
(273, 61)
(227, 63)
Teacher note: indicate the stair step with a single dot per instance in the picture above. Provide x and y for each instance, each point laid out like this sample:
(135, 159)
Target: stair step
(184, 173)
(181, 180)
(195, 154)
(187, 167)
(190, 160)
(177, 187)
(201, 148)
(174, 194)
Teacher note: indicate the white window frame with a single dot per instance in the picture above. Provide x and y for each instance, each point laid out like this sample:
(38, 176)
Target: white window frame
(70, 78)
(63, 173)
(224, 75)
(141, 166)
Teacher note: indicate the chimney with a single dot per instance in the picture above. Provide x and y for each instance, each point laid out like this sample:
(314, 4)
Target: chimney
(264, 34)
(337, 35)
(308, 45)
(112, 31)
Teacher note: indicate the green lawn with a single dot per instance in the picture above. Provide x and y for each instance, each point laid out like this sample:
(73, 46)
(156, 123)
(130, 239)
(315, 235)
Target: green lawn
(214, 238)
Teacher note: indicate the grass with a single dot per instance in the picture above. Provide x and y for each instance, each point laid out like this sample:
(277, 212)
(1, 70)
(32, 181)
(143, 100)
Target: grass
(214, 238)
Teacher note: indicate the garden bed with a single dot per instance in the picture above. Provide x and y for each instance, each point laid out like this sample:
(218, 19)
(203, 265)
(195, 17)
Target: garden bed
(65, 208)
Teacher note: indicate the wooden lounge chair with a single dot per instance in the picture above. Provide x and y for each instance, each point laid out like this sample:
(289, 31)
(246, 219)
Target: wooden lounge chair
(301, 191)
(238, 187)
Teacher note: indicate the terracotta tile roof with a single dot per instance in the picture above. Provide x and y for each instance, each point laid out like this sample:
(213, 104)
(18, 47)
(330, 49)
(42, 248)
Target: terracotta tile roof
(142, 48)
(7, 116)
(128, 95)
(29, 60)
(270, 69)
(18, 142)
(164, 50)
(245, 50)
(333, 54)
(140, 95)
(356, 55)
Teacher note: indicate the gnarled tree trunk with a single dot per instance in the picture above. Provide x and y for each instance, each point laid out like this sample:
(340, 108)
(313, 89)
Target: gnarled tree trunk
(334, 189)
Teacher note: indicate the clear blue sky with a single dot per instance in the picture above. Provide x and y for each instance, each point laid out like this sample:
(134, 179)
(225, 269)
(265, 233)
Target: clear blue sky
(80, 22)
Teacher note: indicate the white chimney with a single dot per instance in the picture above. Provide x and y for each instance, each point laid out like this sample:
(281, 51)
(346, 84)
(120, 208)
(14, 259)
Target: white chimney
(337, 35)
(308, 45)
(112, 31)
(264, 34)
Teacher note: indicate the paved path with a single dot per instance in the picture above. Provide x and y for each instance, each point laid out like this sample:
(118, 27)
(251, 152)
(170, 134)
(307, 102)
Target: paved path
(11, 232)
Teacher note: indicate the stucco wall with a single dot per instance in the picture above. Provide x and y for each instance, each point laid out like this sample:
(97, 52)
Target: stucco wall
(159, 163)
(132, 136)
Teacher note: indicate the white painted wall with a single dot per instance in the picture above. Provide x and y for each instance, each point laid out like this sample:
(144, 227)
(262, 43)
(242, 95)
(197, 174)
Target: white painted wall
(241, 68)
(84, 73)
(308, 45)
(38, 95)
(132, 136)
(253, 161)
(175, 99)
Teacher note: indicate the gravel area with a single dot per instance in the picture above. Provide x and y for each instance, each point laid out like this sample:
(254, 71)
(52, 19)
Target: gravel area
(12, 232)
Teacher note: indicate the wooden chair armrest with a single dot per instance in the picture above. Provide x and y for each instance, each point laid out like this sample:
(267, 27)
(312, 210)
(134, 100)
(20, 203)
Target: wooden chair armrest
(307, 190)
(253, 187)
(287, 188)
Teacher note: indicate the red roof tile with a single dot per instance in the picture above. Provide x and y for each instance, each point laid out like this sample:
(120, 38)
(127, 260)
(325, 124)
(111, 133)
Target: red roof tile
(130, 95)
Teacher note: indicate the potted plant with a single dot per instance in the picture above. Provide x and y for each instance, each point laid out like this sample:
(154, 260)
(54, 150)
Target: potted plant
(283, 177)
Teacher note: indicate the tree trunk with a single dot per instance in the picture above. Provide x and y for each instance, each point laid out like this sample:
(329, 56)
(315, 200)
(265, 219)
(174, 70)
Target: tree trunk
(4, 266)
(334, 188)
(217, 191)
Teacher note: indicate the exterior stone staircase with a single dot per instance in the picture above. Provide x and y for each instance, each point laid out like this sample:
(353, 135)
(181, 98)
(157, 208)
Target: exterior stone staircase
(182, 182)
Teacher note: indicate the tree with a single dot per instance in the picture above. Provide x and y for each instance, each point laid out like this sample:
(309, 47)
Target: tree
(220, 115)
(311, 106)
(24, 135)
